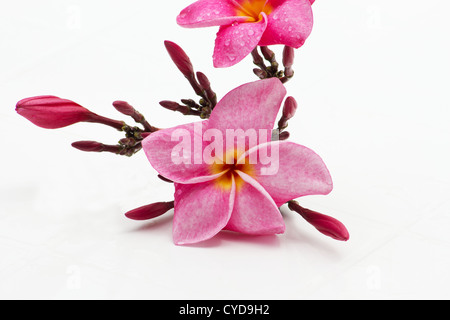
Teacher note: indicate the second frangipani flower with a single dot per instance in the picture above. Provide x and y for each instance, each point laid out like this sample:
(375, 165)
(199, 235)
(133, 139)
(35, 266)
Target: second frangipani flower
(245, 24)
(228, 172)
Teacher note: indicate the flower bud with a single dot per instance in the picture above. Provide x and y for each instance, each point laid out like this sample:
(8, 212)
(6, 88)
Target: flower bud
(260, 73)
(150, 211)
(51, 112)
(124, 108)
(288, 57)
(284, 136)
(290, 108)
(326, 225)
(180, 58)
(88, 146)
(268, 54)
(174, 106)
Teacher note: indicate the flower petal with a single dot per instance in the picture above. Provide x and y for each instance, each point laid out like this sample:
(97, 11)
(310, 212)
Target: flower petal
(234, 42)
(207, 13)
(253, 105)
(255, 212)
(201, 211)
(177, 153)
(290, 23)
(291, 171)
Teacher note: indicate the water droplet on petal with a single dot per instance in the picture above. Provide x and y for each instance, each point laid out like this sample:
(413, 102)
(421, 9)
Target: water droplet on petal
(251, 32)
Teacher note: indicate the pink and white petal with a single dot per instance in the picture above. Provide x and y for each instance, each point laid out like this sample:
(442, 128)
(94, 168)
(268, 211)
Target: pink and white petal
(236, 41)
(252, 106)
(255, 212)
(290, 23)
(295, 171)
(177, 153)
(201, 211)
(207, 13)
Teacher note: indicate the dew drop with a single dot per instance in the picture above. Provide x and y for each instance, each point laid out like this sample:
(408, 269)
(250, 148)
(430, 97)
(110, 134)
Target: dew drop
(251, 32)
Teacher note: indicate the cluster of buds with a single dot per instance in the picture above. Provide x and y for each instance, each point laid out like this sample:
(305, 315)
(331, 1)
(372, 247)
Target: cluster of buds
(198, 81)
(51, 112)
(272, 70)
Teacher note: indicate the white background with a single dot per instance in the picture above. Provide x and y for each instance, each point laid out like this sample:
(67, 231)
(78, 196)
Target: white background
(372, 83)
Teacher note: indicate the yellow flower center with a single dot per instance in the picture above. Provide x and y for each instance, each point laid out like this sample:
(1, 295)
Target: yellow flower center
(253, 9)
(230, 165)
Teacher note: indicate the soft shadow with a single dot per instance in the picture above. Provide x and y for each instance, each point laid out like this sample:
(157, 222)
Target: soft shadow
(159, 222)
(224, 237)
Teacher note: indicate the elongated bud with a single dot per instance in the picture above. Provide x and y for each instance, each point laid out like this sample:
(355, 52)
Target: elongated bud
(206, 85)
(288, 57)
(180, 58)
(124, 108)
(51, 112)
(326, 225)
(268, 54)
(150, 211)
(93, 146)
(175, 106)
(88, 146)
(260, 73)
(128, 110)
(203, 80)
(290, 108)
(257, 59)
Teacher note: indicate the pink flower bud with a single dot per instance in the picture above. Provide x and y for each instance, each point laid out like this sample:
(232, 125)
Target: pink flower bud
(51, 112)
(203, 80)
(88, 146)
(150, 211)
(284, 136)
(288, 57)
(180, 58)
(326, 225)
(124, 108)
(174, 106)
(290, 108)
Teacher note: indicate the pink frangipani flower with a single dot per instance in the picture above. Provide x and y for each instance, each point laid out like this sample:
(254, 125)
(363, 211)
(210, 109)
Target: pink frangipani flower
(245, 24)
(235, 192)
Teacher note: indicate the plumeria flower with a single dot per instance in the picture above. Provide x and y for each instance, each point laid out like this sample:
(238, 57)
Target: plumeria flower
(245, 24)
(238, 191)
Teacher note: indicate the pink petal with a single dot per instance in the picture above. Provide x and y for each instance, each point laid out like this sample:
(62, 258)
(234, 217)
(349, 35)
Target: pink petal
(253, 105)
(201, 211)
(236, 41)
(255, 212)
(165, 157)
(207, 13)
(298, 172)
(290, 23)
